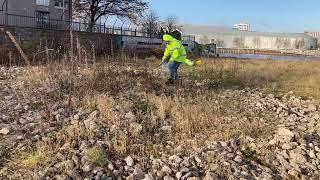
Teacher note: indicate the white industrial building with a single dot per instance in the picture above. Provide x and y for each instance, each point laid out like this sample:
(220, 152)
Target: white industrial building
(226, 37)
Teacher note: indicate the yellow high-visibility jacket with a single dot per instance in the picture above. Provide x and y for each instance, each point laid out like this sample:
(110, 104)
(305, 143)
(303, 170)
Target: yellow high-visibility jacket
(175, 50)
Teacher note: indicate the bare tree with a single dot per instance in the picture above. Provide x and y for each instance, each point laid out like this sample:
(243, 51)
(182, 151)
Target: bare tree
(93, 10)
(171, 24)
(151, 23)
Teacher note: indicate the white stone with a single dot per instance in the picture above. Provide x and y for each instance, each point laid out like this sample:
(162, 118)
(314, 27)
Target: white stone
(312, 154)
(90, 124)
(65, 146)
(87, 168)
(8, 97)
(168, 178)
(130, 116)
(110, 166)
(18, 107)
(76, 117)
(312, 108)
(297, 158)
(284, 135)
(148, 177)
(19, 137)
(193, 178)
(26, 107)
(94, 114)
(223, 144)
(129, 161)
(5, 131)
(22, 121)
(59, 117)
(166, 170)
(287, 146)
(293, 172)
(175, 160)
(178, 175)
(238, 159)
(166, 128)
(284, 132)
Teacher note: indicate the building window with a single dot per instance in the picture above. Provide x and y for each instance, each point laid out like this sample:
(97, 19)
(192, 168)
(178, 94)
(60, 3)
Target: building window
(43, 2)
(62, 4)
(42, 19)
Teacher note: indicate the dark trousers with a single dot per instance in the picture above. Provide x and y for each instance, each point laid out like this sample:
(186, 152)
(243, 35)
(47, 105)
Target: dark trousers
(173, 68)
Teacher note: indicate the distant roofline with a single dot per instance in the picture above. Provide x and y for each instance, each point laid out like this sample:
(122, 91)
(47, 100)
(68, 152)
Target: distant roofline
(226, 29)
(308, 31)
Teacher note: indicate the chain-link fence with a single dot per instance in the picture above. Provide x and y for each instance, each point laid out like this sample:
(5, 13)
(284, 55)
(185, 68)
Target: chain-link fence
(53, 24)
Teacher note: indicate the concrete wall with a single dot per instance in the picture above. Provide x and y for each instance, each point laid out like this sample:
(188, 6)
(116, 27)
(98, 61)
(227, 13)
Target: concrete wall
(34, 40)
(144, 42)
(145, 47)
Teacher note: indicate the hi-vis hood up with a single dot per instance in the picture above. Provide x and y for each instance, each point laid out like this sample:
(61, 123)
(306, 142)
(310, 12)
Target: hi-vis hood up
(175, 51)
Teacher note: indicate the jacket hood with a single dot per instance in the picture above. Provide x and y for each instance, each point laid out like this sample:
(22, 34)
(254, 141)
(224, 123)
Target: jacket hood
(168, 38)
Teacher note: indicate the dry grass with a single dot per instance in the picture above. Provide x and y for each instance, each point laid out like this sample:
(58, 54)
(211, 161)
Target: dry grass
(195, 113)
(25, 163)
(120, 143)
(195, 116)
(103, 104)
(301, 77)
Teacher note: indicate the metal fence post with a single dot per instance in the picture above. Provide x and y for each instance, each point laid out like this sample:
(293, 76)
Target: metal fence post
(6, 19)
(100, 27)
(114, 25)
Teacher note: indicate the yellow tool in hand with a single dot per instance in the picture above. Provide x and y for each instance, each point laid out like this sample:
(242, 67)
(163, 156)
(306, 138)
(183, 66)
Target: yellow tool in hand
(198, 62)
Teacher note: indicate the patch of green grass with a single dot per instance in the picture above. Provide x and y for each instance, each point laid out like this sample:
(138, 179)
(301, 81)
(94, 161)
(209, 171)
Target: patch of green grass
(35, 159)
(97, 156)
(249, 154)
(141, 107)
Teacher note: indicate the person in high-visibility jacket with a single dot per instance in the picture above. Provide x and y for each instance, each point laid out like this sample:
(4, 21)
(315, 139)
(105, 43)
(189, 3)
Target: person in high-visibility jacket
(177, 53)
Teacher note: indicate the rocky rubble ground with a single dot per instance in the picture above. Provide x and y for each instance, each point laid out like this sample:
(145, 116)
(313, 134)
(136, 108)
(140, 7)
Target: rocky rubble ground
(291, 151)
